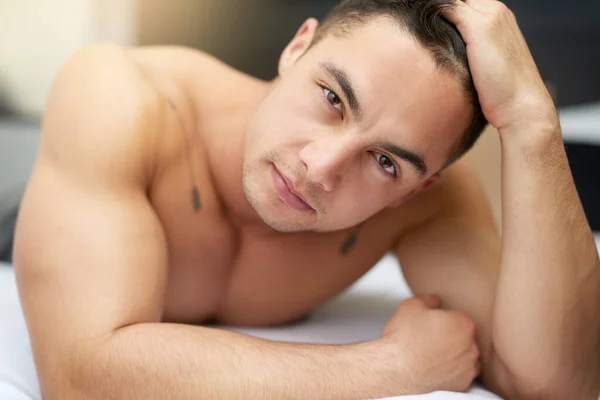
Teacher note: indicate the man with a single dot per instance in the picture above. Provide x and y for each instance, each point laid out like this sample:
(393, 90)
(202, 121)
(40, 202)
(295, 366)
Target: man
(171, 191)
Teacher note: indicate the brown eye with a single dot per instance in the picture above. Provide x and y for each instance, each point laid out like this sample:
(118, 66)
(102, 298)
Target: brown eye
(386, 163)
(333, 99)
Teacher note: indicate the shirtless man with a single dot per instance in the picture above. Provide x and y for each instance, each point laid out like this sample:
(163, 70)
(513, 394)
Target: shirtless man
(171, 191)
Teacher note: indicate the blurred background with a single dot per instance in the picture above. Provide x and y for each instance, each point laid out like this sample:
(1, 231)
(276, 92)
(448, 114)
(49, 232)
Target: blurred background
(36, 36)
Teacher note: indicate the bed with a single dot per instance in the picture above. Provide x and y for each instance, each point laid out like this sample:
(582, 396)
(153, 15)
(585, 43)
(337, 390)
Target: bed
(357, 314)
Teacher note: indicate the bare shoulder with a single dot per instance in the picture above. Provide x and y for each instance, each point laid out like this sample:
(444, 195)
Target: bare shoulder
(196, 77)
(194, 69)
(177, 56)
(102, 72)
(100, 108)
(459, 189)
(459, 196)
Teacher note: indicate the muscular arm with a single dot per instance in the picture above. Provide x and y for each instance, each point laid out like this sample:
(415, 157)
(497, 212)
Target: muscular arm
(455, 252)
(546, 325)
(534, 293)
(91, 264)
(537, 303)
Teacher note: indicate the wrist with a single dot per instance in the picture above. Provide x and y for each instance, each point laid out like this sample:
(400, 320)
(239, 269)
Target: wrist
(526, 108)
(390, 365)
(537, 135)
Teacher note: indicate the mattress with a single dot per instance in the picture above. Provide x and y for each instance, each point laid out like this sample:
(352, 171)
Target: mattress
(357, 314)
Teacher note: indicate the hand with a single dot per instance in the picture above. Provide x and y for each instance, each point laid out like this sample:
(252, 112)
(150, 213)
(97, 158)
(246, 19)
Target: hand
(510, 88)
(436, 347)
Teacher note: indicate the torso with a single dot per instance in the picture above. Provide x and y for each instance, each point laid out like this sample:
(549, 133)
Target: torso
(220, 270)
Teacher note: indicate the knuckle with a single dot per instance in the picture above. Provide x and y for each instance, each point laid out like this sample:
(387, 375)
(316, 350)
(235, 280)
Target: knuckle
(503, 11)
(490, 23)
(497, 13)
(487, 20)
(500, 6)
(469, 326)
(405, 303)
(476, 353)
(412, 304)
(466, 385)
(463, 321)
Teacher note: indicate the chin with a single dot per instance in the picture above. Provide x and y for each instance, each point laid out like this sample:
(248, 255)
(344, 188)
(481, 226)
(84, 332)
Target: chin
(273, 212)
(281, 218)
(282, 226)
(261, 195)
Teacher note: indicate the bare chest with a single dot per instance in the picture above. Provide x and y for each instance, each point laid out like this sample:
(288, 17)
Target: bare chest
(218, 272)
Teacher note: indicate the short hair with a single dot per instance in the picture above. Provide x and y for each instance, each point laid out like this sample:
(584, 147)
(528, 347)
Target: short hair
(423, 20)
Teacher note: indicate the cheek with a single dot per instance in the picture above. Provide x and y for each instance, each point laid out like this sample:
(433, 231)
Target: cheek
(364, 198)
(297, 109)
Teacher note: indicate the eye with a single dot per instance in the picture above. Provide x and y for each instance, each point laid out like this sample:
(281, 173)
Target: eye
(386, 164)
(333, 99)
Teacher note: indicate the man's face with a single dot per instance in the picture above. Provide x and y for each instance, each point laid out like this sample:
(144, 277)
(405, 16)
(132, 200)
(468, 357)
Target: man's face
(355, 125)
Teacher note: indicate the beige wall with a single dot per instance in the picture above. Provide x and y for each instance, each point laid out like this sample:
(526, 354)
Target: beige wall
(195, 23)
(485, 159)
(36, 36)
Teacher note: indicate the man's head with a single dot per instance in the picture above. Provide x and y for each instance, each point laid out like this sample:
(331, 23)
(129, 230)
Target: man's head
(367, 109)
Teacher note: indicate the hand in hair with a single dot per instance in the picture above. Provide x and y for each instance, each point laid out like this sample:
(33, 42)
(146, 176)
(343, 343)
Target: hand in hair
(510, 88)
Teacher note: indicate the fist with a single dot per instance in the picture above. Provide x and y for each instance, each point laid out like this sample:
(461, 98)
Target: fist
(437, 347)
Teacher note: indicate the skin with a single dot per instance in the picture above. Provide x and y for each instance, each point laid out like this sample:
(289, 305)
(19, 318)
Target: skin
(330, 153)
(126, 248)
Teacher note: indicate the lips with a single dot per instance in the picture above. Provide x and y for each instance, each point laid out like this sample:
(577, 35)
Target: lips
(287, 193)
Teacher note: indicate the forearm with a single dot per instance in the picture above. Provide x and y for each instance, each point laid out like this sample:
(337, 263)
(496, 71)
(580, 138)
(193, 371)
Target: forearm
(160, 361)
(546, 325)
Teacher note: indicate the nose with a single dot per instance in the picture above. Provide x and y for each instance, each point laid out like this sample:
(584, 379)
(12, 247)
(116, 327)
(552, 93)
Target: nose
(326, 161)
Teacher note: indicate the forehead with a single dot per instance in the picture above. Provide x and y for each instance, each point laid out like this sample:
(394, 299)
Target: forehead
(401, 90)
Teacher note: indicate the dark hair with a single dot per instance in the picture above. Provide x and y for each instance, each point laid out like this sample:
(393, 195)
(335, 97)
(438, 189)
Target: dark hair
(423, 20)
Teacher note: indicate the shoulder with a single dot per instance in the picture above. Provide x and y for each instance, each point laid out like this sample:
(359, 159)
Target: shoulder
(103, 72)
(459, 190)
(197, 71)
(459, 198)
(101, 108)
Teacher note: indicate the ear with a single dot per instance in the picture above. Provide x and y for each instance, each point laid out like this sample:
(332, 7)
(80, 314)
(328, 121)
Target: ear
(427, 184)
(299, 44)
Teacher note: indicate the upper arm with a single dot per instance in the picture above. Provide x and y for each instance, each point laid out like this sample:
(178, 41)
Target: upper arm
(455, 252)
(90, 254)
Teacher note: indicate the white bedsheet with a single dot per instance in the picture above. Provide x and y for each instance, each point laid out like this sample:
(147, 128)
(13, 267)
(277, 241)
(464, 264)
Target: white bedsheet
(358, 314)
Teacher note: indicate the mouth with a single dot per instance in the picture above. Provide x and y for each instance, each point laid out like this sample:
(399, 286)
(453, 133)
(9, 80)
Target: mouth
(287, 193)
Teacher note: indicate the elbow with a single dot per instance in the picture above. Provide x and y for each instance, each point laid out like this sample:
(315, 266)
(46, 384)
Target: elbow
(559, 386)
(569, 383)
(64, 387)
(550, 383)
(553, 392)
(72, 378)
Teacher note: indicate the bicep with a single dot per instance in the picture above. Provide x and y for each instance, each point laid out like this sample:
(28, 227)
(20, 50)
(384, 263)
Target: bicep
(456, 255)
(87, 254)
(87, 262)
(90, 253)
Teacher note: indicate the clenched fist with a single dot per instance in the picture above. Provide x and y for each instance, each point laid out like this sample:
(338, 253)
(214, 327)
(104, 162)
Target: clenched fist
(434, 348)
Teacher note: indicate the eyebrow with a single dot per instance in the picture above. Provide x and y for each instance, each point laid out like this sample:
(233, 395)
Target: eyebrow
(414, 159)
(340, 75)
